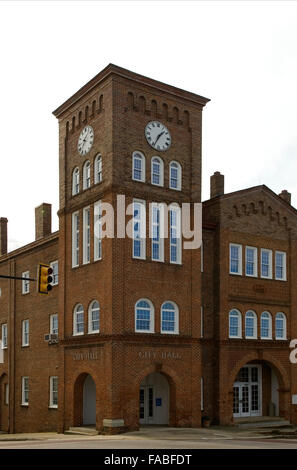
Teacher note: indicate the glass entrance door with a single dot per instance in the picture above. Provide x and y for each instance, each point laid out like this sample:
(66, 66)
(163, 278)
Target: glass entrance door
(247, 392)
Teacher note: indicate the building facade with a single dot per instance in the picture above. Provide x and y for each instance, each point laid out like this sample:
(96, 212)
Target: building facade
(138, 330)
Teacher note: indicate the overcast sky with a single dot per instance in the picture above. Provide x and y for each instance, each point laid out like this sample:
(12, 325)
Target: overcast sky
(241, 55)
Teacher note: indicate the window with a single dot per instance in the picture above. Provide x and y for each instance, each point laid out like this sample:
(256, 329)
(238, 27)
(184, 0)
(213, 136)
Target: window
(280, 326)
(157, 171)
(235, 259)
(86, 235)
(175, 177)
(78, 320)
(266, 263)
(94, 317)
(234, 324)
(169, 318)
(54, 324)
(144, 316)
(53, 403)
(97, 231)
(75, 181)
(4, 336)
(175, 235)
(280, 266)
(25, 333)
(98, 169)
(55, 274)
(251, 261)
(139, 229)
(266, 326)
(87, 175)
(25, 283)
(138, 168)
(25, 391)
(75, 239)
(157, 222)
(250, 325)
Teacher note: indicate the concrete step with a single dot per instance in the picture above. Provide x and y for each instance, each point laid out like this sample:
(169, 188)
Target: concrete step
(264, 424)
(83, 431)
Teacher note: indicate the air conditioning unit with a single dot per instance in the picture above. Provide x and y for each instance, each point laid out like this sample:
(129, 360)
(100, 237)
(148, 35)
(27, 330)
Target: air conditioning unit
(47, 337)
(51, 338)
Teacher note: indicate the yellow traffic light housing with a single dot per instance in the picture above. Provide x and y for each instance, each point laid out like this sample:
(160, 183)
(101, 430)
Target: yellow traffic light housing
(44, 278)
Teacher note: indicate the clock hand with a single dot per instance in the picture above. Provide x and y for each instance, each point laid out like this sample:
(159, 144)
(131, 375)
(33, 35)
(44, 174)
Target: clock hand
(161, 133)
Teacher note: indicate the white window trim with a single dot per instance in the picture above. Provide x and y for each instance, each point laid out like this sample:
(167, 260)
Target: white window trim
(24, 283)
(142, 229)
(24, 322)
(134, 155)
(152, 317)
(179, 176)
(285, 327)
(239, 336)
(177, 209)
(159, 207)
(255, 255)
(74, 173)
(90, 331)
(176, 319)
(97, 221)
(97, 159)
(86, 170)
(255, 335)
(25, 403)
(4, 328)
(239, 273)
(269, 261)
(284, 278)
(51, 404)
(161, 163)
(75, 235)
(56, 262)
(86, 232)
(53, 315)
(269, 337)
(75, 332)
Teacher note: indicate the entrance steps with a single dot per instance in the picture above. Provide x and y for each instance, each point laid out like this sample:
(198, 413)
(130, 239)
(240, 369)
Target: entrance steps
(83, 431)
(261, 422)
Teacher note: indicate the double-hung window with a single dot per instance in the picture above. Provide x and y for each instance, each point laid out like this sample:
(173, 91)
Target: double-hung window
(266, 263)
(78, 320)
(144, 316)
(87, 175)
(25, 391)
(25, 333)
(98, 169)
(234, 324)
(97, 231)
(175, 176)
(86, 235)
(280, 326)
(55, 274)
(53, 392)
(169, 318)
(25, 283)
(280, 266)
(251, 261)
(138, 169)
(266, 325)
(157, 177)
(54, 324)
(175, 234)
(235, 259)
(94, 317)
(157, 229)
(4, 336)
(75, 239)
(75, 182)
(139, 229)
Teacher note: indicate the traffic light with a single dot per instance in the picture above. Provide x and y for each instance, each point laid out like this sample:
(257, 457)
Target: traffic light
(44, 278)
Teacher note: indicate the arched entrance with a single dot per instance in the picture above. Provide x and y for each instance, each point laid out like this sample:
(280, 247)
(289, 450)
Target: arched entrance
(84, 401)
(154, 399)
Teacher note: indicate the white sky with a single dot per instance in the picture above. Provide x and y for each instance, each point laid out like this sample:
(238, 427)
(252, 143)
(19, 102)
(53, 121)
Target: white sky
(241, 55)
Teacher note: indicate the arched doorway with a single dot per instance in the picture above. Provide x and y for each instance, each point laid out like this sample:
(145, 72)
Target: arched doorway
(154, 399)
(89, 401)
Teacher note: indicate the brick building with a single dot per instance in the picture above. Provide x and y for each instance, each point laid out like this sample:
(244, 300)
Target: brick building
(141, 330)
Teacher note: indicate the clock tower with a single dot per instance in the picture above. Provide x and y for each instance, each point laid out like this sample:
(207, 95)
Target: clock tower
(130, 309)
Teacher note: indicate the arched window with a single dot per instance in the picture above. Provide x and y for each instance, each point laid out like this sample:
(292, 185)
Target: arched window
(175, 176)
(157, 172)
(138, 167)
(169, 318)
(94, 317)
(250, 324)
(75, 181)
(98, 169)
(266, 326)
(78, 320)
(87, 175)
(280, 326)
(144, 316)
(234, 324)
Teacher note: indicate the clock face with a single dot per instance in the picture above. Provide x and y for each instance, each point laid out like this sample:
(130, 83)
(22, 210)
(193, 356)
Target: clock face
(157, 135)
(85, 140)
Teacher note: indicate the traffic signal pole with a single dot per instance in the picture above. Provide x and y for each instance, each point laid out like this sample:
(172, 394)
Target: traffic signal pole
(15, 277)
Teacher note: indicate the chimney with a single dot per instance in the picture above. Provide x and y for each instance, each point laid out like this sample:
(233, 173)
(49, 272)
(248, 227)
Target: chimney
(216, 184)
(43, 220)
(286, 196)
(3, 236)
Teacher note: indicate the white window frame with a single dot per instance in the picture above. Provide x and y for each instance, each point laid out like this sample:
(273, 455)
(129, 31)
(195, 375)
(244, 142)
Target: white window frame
(179, 175)
(25, 389)
(142, 228)
(269, 328)
(90, 319)
(177, 227)
(284, 318)
(55, 275)
(152, 316)
(25, 333)
(255, 325)
(75, 312)
(4, 336)
(139, 156)
(239, 316)
(86, 235)
(239, 273)
(52, 380)
(54, 331)
(98, 169)
(87, 175)
(158, 226)
(176, 319)
(97, 231)
(255, 261)
(265, 250)
(75, 239)
(25, 283)
(75, 181)
(160, 162)
(284, 267)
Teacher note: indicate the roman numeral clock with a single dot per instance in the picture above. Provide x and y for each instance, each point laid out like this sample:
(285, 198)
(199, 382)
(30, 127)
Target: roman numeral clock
(157, 135)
